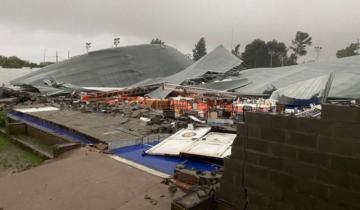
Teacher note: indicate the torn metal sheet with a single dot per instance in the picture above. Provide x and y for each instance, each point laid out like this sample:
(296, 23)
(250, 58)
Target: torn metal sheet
(346, 83)
(176, 143)
(219, 60)
(312, 89)
(227, 84)
(197, 119)
(214, 145)
(39, 109)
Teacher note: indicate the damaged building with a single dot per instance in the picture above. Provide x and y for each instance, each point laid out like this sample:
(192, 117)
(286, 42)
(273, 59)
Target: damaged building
(228, 138)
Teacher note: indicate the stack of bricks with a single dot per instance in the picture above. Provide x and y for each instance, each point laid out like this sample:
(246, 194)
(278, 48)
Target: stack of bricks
(281, 162)
(193, 178)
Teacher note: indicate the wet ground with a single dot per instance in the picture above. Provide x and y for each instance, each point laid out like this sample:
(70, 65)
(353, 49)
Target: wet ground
(83, 179)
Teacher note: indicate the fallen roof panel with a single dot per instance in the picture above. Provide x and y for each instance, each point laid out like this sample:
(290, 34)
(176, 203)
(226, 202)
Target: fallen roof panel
(214, 145)
(176, 143)
(114, 67)
(346, 83)
(219, 60)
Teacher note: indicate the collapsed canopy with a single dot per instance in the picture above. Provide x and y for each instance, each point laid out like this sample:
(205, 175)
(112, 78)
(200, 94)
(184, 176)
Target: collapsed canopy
(219, 60)
(115, 67)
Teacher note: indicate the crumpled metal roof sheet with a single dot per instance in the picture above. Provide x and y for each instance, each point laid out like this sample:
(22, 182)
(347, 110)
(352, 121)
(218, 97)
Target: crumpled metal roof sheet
(346, 83)
(307, 89)
(226, 85)
(114, 67)
(219, 60)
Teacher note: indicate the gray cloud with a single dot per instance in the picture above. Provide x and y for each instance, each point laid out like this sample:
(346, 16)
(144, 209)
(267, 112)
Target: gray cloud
(27, 27)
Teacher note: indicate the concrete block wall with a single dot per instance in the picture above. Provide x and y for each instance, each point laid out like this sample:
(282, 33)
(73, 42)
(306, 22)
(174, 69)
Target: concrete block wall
(16, 128)
(280, 162)
(43, 137)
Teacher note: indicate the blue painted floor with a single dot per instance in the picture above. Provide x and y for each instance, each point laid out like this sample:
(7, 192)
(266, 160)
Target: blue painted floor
(165, 164)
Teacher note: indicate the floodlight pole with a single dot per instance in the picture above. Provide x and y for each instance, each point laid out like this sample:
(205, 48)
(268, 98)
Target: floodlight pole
(116, 41)
(44, 55)
(87, 46)
(318, 51)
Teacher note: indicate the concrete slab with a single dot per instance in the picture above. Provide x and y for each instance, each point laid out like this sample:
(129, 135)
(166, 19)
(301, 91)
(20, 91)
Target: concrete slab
(116, 130)
(84, 179)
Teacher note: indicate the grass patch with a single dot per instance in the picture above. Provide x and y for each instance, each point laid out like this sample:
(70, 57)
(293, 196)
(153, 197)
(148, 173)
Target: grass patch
(16, 158)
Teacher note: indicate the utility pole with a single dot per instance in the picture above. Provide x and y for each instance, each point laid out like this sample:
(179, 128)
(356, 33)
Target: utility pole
(44, 55)
(282, 56)
(57, 57)
(271, 53)
(232, 37)
(317, 51)
(68, 54)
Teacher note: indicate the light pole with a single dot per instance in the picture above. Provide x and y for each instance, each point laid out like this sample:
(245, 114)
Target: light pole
(317, 51)
(271, 53)
(45, 55)
(116, 41)
(88, 46)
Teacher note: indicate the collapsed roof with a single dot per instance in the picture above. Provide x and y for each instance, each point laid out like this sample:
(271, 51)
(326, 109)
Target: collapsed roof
(304, 92)
(345, 84)
(219, 60)
(114, 67)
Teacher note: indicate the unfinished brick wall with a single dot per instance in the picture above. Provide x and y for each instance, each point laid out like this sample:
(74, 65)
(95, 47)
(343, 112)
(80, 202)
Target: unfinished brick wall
(290, 163)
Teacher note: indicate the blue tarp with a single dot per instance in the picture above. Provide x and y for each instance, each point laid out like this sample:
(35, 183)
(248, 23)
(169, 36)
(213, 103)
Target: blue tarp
(165, 164)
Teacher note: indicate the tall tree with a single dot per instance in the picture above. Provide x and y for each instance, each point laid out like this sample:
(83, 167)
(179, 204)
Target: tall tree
(15, 62)
(200, 49)
(256, 54)
(299, 44)
(236, 51)
(157, 41)
(351, 50)
(277, 53)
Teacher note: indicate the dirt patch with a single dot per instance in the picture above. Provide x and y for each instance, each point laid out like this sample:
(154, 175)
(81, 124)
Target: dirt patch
(14, 158)
(3, 172)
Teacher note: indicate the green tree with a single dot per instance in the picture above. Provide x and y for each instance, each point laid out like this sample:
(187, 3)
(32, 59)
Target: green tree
(291, 60)
(256, 54)
(277, 53)
(299, 44)
(236, 51)
(200, 49)
(157, 41)
(350, 50)
(15, 62)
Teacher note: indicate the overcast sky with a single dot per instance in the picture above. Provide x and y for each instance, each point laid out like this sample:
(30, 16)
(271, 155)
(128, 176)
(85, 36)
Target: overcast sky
(27, 27)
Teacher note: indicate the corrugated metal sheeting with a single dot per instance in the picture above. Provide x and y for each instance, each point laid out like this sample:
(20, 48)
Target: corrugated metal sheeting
(219, 60)
(115, 67)
(346, 82)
